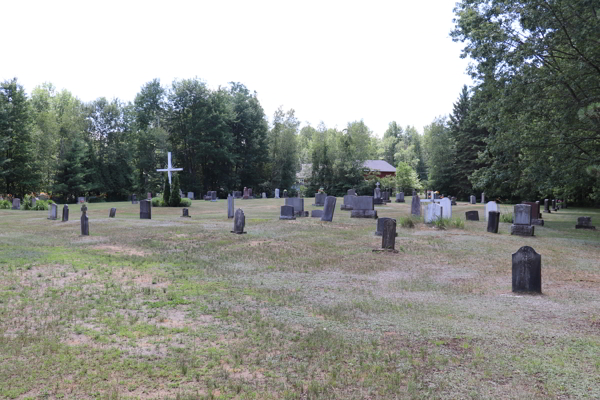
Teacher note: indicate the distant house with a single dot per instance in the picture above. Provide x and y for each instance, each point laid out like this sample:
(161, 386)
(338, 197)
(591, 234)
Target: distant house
(380, 167)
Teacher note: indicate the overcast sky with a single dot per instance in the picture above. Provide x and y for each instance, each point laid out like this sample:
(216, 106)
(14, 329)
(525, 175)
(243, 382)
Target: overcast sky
(331, 61)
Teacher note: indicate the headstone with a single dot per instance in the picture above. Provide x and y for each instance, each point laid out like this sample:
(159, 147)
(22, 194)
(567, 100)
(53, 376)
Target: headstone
(230, 208)
(320, 199)
(191, 195)
(250, 193)
(490, 206)
(298, 205)
(239, 222)
(264, 195)
(482, 198)
(246, 196)
(433, 212)
(145, 209)
(584, 223)
(329, 209)
(348, 202)
(388, 239)
(185, 213)
(316, 213)
(213, 195)
(415, 207)
(276, 193)
(453, 201)
(112, 213)
(33, 201)
(493, 221)
(65, 216)
(149, 196)
(535, 213)
(539, 210)
(81, 200)
(180, 194)
(377, 192)
(134, 199)
(472, 215)
(85, 226)
(380, 223)
(400, 197)
(237, 195)
(363, 207)
(351, 192)
(285, 194)
(414, 192)
(287, 212)
(385, 196)
(554, 205)
(547, 206)
(522, 221)
(446, 205)
(16, 205)
(472, 199)
(526, 271)
(53, 211)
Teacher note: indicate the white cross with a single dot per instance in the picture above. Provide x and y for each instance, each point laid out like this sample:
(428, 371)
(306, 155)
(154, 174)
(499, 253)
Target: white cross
(170, 169)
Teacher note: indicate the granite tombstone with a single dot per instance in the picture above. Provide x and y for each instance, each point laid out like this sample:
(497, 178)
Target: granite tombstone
(526, 271)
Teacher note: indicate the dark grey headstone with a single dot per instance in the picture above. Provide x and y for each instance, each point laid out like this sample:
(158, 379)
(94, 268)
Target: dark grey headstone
(316, 213)
(522, 230)
(246, 195)
(230, 208)
(329, 209)
(472, 199)
(385, 196)
(16, 204)
(547, 206)
(213, 195)
(239, 222)
(287, 212)
(348, 202)
(400, 197)
(415, 206)
(85, 225)
(351, 192)
(250, 193)
(452, 201)
(112, 213)
(363, 207)
(482, 198)
(584, 223)
(53, 211)
(388, 240)
(285, 194)
(493, 221)
(380, 225)
(185, 213)
(134, 199)
(298, 205)
(472, 215)
(554, 205)
(145, 209)
(65, 216)
(535, 213)
(320, 199)
(526, 271)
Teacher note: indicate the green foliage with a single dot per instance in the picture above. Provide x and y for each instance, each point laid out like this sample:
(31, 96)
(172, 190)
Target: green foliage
(175, 198)
(283, 155)
(5, 204)
(506, 217)
(406, 177)
(408, 222)
(167, 190)
(70, 180)
(442, 156)
(158, 202)
(185, 202)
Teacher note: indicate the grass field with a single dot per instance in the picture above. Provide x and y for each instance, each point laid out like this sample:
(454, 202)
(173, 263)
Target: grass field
(304, 309)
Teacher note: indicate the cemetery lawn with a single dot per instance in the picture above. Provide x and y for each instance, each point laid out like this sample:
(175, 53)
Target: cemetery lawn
(182, 308)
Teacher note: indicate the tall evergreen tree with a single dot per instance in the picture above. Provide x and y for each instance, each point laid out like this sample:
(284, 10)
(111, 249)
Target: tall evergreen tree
(70, 180)
(167, 191)
(175, 198)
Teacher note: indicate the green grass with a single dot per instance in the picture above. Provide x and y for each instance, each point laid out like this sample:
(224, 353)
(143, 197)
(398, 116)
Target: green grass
(181, 308)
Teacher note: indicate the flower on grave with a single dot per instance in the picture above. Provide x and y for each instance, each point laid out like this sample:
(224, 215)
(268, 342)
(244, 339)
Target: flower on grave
(321, 190)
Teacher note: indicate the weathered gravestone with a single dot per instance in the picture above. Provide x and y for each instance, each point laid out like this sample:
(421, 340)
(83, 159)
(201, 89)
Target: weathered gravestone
(433, 212)
(239, 222)
(16, 204)
(584, 223)
(547, 206)
(490, 206)
(472, 215)
(213, 195)
(348, 202)
(320, 199)
(185, 213)
(53, 211)
(134, 199)
(380, 223)
(149, 196)
(539, 210)
(230, 208)
(276, 193)
(250, 193)
(65, 216)
(554, 205)
(522, 221)
(191, 195)
(285, 194)
(400, 197)
(388, 239)
(298, 205)
(493, 221)
(386, 197)
(246, 196)
(351, 192)
(526, 271)
(237, 195)
(33, 201)
(535, 213)
(287, 212)
(145, 209)
(363, 207)
(264, 195)
(377, 195)
(446, 205)
(207, 196)
(415, 206)
(472, 199)
(85, 226)
(112, 213)
(482, 198)
(329, 209)
(453, 201)
(316, 213)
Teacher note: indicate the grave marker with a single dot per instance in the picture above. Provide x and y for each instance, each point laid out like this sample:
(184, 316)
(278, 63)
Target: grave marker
(65, 215)
(230, 208)
(446, 206)
(16, 204)
(535, 213)
(134, 199)
(388, 239)
(145, 209)
(584, 223)
(316, 213)
(298, 205)
(185, 213)
(547, 206)
(472, 199)
(363, 207)
(526, 271)
(490, 206)
(191, 195)
(170, 169)
(329, 209)
(320, 199)
(53, 211)
(400, 197)
(415, 207)
(522, 221)
(276, 193)
(493, 221)
(85, 226)
(287, 212)
(380, 226)
(472, 215)
(112, 213)
(239, 222)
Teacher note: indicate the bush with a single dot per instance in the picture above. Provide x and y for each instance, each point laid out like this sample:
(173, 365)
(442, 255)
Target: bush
(457, 223)
(175, 199)
(408, 222)
(506, 218)
(158, 202)
(5, 205)
(185, 202)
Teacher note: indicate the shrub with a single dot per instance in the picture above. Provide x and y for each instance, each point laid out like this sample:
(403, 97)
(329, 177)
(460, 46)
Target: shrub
(506, 218)
(5, 204)
(457, 223)
(167, 193)
(175, 199)
(158, 202)
(185, 202)
(407, 222)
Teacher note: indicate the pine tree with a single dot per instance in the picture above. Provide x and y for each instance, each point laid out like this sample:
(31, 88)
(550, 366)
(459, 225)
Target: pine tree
(167, 192)
(70, 180)
(175, 199)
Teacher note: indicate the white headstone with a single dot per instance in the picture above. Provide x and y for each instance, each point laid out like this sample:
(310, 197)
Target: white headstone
(276, 193)
(170, 169)
(433, 212)
(446, 205)
(490, 206)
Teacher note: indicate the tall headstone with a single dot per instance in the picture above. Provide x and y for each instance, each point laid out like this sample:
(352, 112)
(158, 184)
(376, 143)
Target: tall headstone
(388, 239)
(380, 223)
(472, 199)
(134, 199)
(246, 196)
(276, 193)
(453, 200)
(85, 226)
(145, 209)
(400, 197)
(53, 211)
(554, 207)
(415, 206)
(264, 195)
(377, 192)
(213, 195)
(170, 169)
(191, 195)
(185, 213)
(239, 222)
(539, 210)
(250, 193)
(526, 271)
(493, 221)
(285, 194)
(16, 205)
(535, 213)
(385, 196)
(298, 205)
(112, 213)
(363, 207)
(446, 205)
(65, 216)
(490, 206)
(482, 198)
(472, 215)
(329, 209)
(287, 212)
(584, 223)
(348, 202)
(320, 199)
(230, 208)
(547, 206)
(522, 221)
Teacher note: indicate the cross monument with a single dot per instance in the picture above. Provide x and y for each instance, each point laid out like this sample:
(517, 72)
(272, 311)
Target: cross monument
(170, 168)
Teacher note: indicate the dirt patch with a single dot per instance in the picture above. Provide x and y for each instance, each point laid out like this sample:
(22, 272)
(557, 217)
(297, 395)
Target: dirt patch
(130, 251)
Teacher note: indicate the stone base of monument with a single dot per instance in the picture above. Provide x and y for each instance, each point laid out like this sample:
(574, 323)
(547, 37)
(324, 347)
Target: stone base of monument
(318, 205)
(316, 213)
(286, 217)
(378, 202)
(344, 207)
(522, 230)
(593, 228)
(363, 214)
(399, 201)
(538, 222)
(547, 211)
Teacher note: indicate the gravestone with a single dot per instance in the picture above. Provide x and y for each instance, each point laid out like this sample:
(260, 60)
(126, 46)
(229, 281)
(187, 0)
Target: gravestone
(149, 196)
(539, 210)
(230, 208)
(191, 195)
(145, 209)
(285, 194)
(522, 221)
(276, 193)
(180, 194)
(185, 213)
(446, 205)
(16, 204)
(329, 209)
(207, 196)
(85, 226)
(554, 205)
(53, 211)
(472, 215)
(264, 195)
(316, 213)
(348, 202)
(433, 212)
(287, 212)
(388, 239)
(380, 223)
(377, 191)
(298, 205)
(584, 223)
(385, 196)
(250, 193)
(239, 222)
(493, 221)
(320, 199)
(65, 216)
(33, 201)
(547, 206)
(490, 206)
(213, 195)
(134, 199)
(415, 206)
(246, 196)
(81, 200)
(472, 199)
(400, 197)
(112, 213)
(453, 201)
(482, 198)
(535, 213)
(363, 207)
(526, 271)
(351, 192)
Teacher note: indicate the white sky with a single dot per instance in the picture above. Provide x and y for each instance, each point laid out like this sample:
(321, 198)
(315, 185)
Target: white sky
(331, 61)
